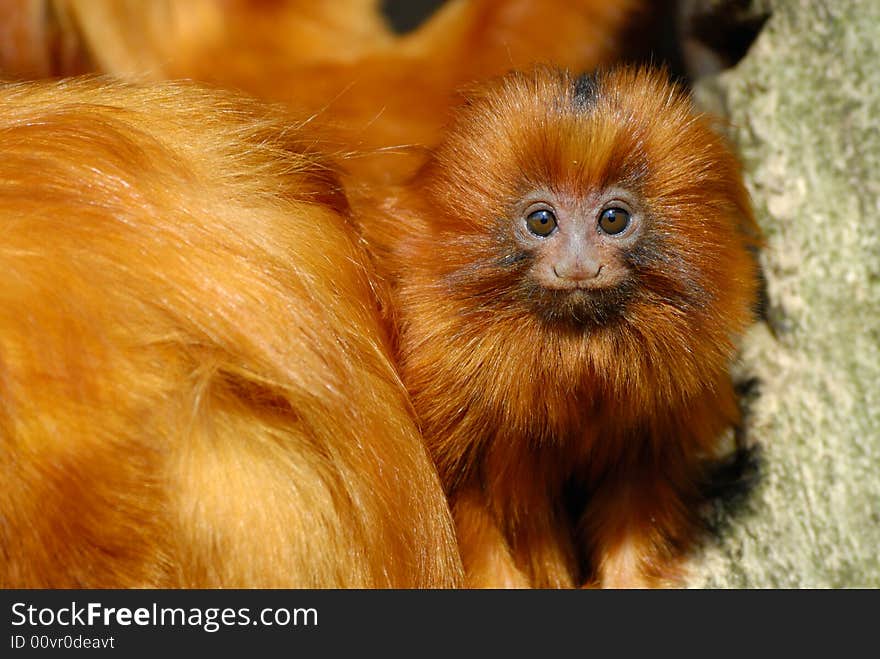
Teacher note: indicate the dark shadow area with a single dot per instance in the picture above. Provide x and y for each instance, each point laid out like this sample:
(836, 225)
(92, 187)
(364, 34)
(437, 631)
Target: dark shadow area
(653, 38)
(717, 35)
(729, 482)
(729, 486)
(406, 15)
(693, 38)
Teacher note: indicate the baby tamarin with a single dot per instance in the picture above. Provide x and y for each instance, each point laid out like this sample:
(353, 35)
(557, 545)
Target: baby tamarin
(571, 269)
(194, 386)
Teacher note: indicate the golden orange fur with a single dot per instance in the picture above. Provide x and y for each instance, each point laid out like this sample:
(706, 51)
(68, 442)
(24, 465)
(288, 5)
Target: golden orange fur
(571, 432)
(194, 387)
(161, 38)
(338, 60)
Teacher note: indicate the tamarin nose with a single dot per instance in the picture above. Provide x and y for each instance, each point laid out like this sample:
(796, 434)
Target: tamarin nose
(577, 270)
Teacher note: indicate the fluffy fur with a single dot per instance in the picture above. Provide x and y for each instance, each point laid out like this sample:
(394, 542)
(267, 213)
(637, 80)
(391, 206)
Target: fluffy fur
(337, 59)
(162, 38)
(571, 431)
(194, 388)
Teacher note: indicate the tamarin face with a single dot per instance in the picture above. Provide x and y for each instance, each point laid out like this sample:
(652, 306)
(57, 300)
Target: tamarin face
(584, 198)
(579, 250)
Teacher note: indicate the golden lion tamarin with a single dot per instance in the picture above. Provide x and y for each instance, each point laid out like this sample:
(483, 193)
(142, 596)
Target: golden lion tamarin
(571, 268)
(194, 387)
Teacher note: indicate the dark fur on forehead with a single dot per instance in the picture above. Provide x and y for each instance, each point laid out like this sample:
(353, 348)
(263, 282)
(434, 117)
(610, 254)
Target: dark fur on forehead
(586, 89)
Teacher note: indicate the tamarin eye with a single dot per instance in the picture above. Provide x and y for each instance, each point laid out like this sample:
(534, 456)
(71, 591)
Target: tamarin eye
(613, 220)
(541, 222)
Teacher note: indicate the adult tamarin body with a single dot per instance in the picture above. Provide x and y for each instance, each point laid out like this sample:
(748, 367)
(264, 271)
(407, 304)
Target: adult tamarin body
(383, 93)
(571, 269)
(194, 386)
